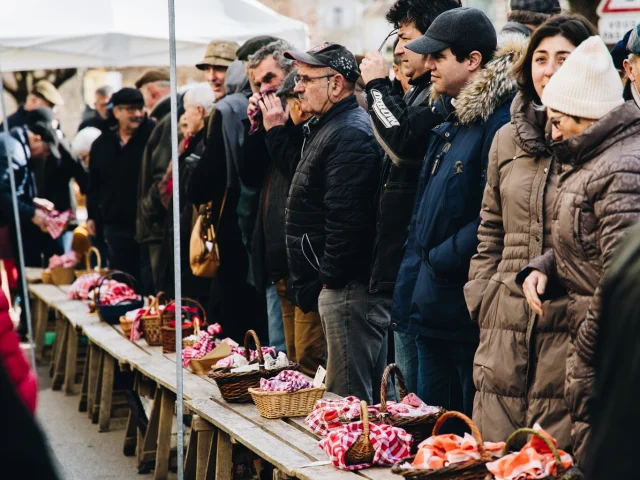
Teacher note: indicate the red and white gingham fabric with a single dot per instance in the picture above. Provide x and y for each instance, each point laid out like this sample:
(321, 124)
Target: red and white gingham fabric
(326, 414)
(57, 222)
(69, 259)
(285, 381)
(81, 287)
(391, 444)
(113, 292)
(253, 354)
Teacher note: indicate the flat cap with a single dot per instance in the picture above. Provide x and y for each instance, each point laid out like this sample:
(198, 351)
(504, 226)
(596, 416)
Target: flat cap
(539, 6)
(286, 89)
(252, 45)
(219, 53)
(46, 90)
(127, 96)
(150, 76)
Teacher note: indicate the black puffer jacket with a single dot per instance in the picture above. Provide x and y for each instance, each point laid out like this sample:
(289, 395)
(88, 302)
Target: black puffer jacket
(330, 210)
(402, 127)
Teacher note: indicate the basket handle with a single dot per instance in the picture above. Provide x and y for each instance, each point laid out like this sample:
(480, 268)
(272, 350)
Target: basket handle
(130, 280)
(256, 340)
(184, 300)
(559, 467)
(391, 369)
(472, 426)
(96, 252)
(364, 417)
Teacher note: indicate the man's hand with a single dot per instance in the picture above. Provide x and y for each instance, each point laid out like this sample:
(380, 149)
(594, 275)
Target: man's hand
(534, 286)
(273, 114)
(253, 106)
(373, 66)
(91, 228)
(40, 219)
(43, 204)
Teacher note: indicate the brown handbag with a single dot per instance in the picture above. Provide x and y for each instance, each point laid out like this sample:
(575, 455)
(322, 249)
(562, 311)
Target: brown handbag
(204, 262)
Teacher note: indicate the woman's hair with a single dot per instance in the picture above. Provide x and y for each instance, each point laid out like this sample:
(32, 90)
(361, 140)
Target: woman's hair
(84, 139)
(573, 27)
(201, 95)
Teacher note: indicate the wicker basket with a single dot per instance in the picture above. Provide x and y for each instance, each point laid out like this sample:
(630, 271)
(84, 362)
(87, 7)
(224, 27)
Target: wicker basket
(169, 333)
(150, 324)
(234, 386)
(111, 313)
(561, 474)
(88, 269)
(471, 470)
(361, 451)
(196, 332)
(63, 275)
(126, 325)
(419, 427)
(46, 277)
(286, 404)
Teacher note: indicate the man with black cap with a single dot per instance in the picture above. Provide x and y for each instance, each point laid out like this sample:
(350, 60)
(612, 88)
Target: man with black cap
(112, 193)
(402, 124)
(473, 87)
(330, 221)
(527, 15)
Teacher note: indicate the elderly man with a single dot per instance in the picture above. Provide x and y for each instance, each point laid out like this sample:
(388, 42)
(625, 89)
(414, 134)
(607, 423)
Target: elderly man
(632, 67)
(330, 219)
(217, 58)
(113, 178)
(43, 94)
(101, 100)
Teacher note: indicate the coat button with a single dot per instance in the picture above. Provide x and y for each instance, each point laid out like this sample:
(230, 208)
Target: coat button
(537, 239)
(546, 170)
(394, 325)
(446, 134)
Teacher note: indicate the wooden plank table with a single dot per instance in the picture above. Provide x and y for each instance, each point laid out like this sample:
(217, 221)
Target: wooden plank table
(33, 274)
(44, 297)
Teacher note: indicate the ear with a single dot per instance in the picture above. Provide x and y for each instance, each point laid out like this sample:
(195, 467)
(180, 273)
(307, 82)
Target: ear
(629, 70)
(474, 61)
(201, 110)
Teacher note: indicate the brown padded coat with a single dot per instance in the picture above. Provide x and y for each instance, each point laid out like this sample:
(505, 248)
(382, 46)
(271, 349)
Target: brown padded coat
(519, 367)
(598, 201)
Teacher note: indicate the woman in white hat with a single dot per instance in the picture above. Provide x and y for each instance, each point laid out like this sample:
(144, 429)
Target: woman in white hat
(597, 142)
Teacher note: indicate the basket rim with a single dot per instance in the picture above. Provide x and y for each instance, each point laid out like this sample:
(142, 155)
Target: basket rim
(260, 393)
(227, 375)
(432, 471)
(429, 417)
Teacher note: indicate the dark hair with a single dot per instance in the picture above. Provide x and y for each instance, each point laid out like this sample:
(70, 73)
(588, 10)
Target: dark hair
(420, 12)
(462, 53)
(572, 26)
(527, 17)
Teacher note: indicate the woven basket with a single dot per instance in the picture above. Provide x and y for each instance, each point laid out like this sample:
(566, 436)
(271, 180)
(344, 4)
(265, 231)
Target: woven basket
(62, 275)
(151, 325)
(286, 404)
(169, 333)
(196, 332)
(88, 269)
(111, 313)
(126, 325)
(361, 451)
(234, 386)
(561, 474)
(46, 277)
(471, 470)
(419, 427)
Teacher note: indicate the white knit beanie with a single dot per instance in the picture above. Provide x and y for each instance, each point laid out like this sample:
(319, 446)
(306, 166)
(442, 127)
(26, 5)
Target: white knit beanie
(587, 85)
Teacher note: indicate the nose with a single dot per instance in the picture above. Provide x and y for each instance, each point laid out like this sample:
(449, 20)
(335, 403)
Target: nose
(556, 134)
(299, 88)
(551, 69)
(430, 63)
(399, 49)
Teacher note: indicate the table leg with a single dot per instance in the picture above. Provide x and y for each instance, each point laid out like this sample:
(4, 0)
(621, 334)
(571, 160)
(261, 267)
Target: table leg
(41, 321)
(97, 387)
(150, 442)
(62, 326)
(224, 457)
(164, 435)
(84, 390)
(106, 393)
(71, 360)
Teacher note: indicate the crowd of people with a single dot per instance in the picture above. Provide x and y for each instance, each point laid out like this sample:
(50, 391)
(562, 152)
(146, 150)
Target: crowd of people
(460, 219)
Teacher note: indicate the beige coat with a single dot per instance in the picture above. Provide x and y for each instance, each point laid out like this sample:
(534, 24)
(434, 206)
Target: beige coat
(598, 201)
(519, 366)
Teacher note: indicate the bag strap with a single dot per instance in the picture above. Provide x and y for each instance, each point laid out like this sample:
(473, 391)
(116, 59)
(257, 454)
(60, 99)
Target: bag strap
(224, 201)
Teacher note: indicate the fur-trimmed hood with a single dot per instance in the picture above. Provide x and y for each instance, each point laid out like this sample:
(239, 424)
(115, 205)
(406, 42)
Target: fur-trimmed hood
(493, 86)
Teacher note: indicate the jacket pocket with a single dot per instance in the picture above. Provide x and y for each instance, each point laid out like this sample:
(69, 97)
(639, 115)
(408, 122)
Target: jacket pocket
(454, 196)
(585, 227)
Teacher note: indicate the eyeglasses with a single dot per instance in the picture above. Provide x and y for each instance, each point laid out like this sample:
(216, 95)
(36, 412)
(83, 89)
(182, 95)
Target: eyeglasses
(304, 80)
(555, 121)
(393, 32)
(131, 108)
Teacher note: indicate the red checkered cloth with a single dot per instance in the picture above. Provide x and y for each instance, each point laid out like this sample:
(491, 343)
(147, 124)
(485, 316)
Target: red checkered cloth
(69, 259)
(253, 354)
(204, 344)
(113, 292)
(327, 414)
(82, 286)
(57, 222)
(285, 381)
(391, 444)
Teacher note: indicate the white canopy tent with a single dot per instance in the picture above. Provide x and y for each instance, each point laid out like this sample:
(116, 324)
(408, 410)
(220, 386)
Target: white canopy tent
(43, 34)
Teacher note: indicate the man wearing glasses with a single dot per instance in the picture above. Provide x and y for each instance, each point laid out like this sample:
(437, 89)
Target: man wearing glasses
(330, 220)
(402, 127)
(116, 156)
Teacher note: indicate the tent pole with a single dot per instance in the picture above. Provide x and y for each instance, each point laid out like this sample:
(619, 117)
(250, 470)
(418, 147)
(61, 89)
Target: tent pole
(23, 278)
(177, 273)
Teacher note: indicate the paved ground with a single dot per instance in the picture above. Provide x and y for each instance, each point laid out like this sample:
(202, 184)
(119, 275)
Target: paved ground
(81, 451)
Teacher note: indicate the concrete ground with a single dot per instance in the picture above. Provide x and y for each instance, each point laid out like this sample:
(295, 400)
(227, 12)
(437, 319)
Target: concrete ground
(81, 451)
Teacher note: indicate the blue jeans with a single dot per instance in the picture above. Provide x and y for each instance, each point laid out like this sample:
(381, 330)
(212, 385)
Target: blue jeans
(276, 325)
(406, 350)
(445, 373)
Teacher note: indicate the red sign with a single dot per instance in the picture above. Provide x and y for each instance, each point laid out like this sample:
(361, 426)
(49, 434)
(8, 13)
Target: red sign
(618, 6)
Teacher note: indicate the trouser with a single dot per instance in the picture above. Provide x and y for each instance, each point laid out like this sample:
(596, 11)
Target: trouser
(124, 251)
(274, 317)
(355, 325)
(303, 333)
(445, 373)
(154, 256)
(407, 359)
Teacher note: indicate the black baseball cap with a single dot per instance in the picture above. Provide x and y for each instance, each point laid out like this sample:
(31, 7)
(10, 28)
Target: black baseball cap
(331, 55)
(48, 134)
(465, 27)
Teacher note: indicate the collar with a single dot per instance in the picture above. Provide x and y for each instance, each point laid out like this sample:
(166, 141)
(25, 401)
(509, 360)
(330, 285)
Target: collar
(635, 93)
(349, 103)
(423, 80)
